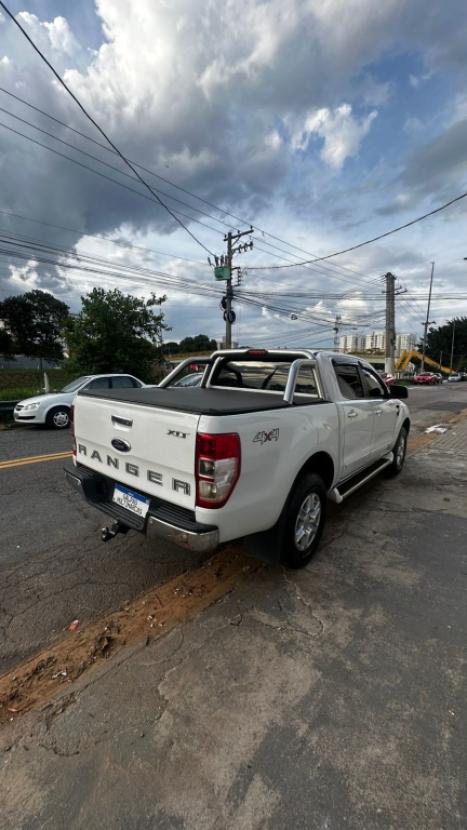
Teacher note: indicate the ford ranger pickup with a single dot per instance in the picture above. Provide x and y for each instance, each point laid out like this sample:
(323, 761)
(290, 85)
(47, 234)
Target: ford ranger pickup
(253, 452)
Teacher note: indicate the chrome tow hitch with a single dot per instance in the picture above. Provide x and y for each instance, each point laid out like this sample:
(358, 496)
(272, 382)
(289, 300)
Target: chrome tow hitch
(108, 533)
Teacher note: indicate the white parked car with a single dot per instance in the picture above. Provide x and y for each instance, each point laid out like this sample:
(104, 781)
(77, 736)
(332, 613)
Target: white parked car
(53, 409)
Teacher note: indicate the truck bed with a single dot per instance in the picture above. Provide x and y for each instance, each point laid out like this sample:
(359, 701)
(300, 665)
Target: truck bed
(199, 401)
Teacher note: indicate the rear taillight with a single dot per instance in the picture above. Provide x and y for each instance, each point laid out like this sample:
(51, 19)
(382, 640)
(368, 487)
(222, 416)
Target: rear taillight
(217, 468)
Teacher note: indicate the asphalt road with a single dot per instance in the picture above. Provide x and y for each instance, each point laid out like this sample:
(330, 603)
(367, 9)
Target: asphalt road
(326, 698)
(53, 566)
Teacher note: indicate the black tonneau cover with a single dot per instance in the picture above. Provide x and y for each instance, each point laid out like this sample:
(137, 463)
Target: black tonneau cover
(198, 400)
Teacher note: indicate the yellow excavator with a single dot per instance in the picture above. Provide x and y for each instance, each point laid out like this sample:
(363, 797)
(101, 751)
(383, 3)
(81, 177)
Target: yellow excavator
(406, 357)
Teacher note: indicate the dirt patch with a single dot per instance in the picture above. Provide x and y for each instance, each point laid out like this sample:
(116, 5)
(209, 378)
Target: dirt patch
(150, 615)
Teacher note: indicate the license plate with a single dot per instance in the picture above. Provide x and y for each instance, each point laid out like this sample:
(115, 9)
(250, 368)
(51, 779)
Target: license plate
(130, 500)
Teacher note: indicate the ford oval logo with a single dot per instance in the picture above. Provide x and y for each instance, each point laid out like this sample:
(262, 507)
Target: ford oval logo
(121, 446)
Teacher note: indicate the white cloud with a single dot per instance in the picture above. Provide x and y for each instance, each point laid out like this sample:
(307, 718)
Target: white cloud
(56, 34)
(413, 125)
(341, 131)
(416, 80)
(208, 94)
(24, 276)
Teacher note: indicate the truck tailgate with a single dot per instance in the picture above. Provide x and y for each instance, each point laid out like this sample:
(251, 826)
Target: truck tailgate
(149, 449)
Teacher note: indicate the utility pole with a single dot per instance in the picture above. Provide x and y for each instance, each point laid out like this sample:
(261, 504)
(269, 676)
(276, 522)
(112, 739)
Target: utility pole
(336, 332)
(390, 323)
(427, 321)
(229, 313)
(452, 343)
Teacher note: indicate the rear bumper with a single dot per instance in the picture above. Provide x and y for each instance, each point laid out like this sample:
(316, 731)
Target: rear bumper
(164, 521)
(195, 540)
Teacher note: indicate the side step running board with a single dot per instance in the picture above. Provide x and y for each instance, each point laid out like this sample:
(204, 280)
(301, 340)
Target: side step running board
(339, 493)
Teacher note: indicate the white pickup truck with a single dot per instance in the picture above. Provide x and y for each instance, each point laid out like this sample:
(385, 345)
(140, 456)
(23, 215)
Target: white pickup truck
(255, 451)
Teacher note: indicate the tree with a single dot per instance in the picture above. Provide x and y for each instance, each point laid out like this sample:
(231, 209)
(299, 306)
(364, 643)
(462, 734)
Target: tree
(115, 332)
(440, 341)
(6, 344)
(199, 343)
(35, 322)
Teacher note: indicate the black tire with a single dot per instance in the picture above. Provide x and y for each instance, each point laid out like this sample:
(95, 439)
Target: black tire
(309, 492)
(58, 418)
(399, 450)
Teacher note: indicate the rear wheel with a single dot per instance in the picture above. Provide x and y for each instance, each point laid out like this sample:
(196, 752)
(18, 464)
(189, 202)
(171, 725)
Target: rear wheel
(58, 418)
(399, 451)
(305, 519)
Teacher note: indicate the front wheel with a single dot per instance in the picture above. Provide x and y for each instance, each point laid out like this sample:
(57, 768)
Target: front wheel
(399, 451)
(58, 418)
(305, 519)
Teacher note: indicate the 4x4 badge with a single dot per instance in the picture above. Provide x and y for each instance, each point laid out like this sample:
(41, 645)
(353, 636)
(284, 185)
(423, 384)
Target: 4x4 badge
(264, 436)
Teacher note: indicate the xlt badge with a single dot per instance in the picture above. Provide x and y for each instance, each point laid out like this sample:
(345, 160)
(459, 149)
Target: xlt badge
(176, 433)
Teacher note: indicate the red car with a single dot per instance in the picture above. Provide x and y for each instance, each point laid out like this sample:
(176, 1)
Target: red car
(426, 378)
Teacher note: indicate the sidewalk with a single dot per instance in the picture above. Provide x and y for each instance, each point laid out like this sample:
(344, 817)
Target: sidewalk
(332, 697)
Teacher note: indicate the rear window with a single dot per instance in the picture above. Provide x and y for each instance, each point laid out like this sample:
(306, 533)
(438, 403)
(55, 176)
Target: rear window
(268, 376)
(124, 382)
(99, 383)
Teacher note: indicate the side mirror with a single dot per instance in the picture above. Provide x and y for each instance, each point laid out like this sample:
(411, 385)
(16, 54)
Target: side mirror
(396, 391)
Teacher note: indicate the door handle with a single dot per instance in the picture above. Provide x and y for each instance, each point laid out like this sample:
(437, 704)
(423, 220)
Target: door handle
(378, 411)
(352, 413)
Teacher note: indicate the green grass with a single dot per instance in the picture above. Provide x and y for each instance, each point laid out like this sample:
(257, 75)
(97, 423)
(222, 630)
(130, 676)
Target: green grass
(17, 393)
(16, 384)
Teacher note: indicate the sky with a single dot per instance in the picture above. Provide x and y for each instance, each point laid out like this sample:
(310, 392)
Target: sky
(319, 123)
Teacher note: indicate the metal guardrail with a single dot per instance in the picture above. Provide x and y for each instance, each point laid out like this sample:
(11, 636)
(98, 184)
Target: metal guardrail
(7, 406)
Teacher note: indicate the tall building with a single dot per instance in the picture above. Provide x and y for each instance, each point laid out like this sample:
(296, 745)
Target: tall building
(351, 343)
(405, 343)
(375, 341)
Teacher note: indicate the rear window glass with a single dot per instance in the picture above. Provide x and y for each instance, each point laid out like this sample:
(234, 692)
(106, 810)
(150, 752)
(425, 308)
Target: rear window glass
(268, 376)
(99, 383)
(124, 382)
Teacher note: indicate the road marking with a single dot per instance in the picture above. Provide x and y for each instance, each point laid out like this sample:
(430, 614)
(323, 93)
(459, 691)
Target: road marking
(34, 459)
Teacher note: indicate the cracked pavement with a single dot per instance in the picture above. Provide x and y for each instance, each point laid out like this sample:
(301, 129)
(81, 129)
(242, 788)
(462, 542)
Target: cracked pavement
(330, 697)
(53, 566)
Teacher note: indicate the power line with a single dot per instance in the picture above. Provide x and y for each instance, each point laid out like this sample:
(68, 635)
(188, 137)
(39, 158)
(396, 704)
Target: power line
(121, 173)
(99, 173)
(104, 239)
(98, 127)
(105, 163)
(173, 184)
(138, 192)
(368, 241)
